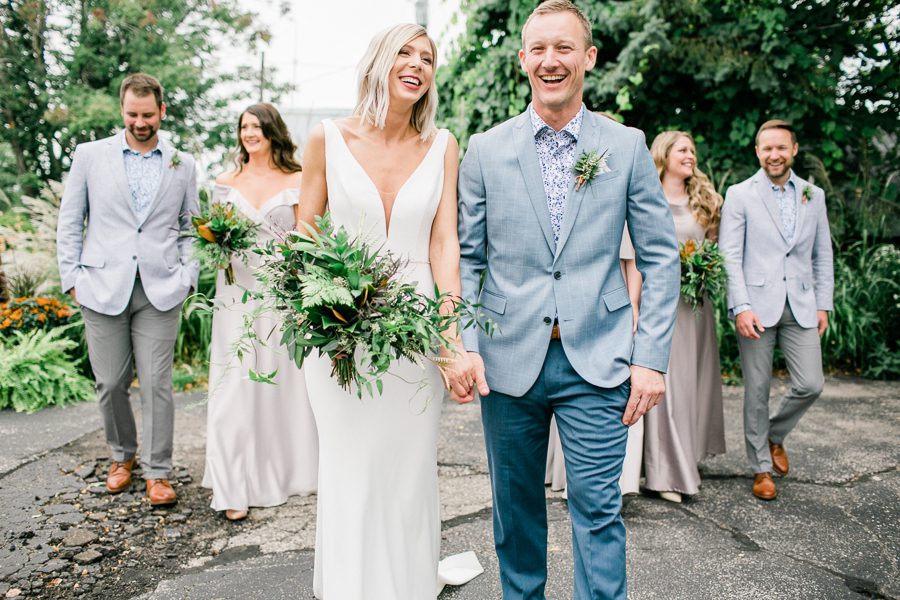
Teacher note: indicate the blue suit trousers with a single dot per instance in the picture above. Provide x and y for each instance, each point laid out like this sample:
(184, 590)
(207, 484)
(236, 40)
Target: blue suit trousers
(593, 439)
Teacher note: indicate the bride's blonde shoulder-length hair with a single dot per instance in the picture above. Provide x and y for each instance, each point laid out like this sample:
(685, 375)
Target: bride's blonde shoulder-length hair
(703, 199)
(374, 75)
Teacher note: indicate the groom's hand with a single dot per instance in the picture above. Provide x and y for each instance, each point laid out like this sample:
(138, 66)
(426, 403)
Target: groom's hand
(747, 324)
(647, 389)
(467, 378)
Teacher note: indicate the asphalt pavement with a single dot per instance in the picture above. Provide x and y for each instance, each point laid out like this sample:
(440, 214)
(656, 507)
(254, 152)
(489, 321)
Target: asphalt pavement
(833, 532)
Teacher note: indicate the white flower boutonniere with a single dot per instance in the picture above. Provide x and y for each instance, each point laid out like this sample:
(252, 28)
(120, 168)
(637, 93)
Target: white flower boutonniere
(589, 165)
(176, 160)
(807, 194)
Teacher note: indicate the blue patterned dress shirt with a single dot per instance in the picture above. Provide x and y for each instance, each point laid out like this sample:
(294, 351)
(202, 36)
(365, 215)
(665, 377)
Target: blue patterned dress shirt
(556, 153)
(786, 198)
(144, 173)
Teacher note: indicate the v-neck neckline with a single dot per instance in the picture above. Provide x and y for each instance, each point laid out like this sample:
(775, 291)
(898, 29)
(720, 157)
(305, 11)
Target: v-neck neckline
(385, 214)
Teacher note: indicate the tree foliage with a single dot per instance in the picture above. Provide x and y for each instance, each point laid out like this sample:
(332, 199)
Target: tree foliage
(715, 68)
(61, 63)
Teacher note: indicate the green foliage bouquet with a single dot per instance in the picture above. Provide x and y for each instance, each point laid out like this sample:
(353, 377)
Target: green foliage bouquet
(221, 232)
(702, 271)
(342, 297)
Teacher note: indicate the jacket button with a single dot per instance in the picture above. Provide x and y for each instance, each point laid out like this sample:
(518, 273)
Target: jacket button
(557, 275)
(548, 320)
(134, 258)
(788, 254)
(140, 230)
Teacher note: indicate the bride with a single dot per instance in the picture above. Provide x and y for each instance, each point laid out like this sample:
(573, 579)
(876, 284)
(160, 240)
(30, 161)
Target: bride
(389, 175)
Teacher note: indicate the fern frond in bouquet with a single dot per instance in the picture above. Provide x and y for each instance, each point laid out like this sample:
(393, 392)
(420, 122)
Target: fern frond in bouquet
(342, 297)
(221, 232)
(702, 271)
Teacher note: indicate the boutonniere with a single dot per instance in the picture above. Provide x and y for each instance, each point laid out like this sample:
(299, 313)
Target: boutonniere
(589, 165)
(807, 194)
(176, 160)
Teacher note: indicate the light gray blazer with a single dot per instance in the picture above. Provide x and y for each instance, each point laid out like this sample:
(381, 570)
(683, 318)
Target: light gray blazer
(763, 269)
(506, 237)
(101, 244)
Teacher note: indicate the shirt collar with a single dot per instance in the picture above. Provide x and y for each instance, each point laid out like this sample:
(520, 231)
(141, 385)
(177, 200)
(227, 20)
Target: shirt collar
(792, 181)
(573, 127)
(128, 149)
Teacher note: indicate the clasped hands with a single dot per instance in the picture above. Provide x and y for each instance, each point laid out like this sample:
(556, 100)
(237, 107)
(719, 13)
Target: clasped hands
(465, 376)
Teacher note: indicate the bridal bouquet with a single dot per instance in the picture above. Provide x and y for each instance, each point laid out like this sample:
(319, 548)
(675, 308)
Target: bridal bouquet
(702, 271)
(219, 233)
(342, 297)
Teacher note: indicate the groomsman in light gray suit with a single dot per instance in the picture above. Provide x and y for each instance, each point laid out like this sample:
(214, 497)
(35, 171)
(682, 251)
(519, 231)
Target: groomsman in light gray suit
(777, 246)
(121, 258)
(547, 249)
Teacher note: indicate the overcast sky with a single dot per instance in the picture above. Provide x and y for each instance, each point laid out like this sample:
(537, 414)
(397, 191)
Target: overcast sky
(318, 44)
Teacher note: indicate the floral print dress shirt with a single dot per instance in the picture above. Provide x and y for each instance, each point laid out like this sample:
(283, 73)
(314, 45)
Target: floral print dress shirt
(556, 153)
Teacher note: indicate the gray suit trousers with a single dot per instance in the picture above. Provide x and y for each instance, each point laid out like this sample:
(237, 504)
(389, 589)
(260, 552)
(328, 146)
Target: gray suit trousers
(803, 354)
(140, 337)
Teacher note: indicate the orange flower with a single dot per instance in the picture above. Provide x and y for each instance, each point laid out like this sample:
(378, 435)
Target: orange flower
(42, 318)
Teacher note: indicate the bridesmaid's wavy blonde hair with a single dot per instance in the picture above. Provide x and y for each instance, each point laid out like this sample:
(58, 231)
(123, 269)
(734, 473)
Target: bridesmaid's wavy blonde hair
(374, 75)
(703, 199)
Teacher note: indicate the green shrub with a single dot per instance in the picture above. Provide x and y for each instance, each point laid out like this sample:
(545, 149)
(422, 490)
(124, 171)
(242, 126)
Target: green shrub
(863, 335)
(36, 371)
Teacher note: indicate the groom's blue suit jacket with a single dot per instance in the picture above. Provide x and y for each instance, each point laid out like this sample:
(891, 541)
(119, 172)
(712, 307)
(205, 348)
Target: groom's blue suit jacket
(528, 280)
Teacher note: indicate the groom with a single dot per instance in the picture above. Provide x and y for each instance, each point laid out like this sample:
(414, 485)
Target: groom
(547, 250)
(120, 257)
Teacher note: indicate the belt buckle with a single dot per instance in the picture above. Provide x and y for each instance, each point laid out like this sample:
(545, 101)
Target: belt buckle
(554, 332)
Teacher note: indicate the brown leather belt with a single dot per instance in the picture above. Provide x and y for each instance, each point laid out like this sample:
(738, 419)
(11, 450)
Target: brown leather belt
(554, 333)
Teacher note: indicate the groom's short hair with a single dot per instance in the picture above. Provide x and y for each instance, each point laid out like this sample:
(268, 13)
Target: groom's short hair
(777, 124)
(141, 85)
(556, 6)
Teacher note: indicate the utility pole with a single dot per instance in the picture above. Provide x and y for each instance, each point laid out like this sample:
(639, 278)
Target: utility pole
(422, 13)
(262, 75)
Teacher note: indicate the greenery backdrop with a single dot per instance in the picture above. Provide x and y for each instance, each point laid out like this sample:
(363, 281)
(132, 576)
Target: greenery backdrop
(715, 68)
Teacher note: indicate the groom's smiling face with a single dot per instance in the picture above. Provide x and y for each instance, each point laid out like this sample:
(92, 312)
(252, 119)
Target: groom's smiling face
(556, 57)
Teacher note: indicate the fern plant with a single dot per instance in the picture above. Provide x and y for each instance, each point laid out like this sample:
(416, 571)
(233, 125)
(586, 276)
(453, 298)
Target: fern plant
(36, 371)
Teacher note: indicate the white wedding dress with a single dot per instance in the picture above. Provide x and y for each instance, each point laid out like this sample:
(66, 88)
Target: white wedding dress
(378, 522)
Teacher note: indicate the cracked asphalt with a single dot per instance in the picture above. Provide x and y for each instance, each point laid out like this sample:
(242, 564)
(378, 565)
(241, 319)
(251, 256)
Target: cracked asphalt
(833, 532)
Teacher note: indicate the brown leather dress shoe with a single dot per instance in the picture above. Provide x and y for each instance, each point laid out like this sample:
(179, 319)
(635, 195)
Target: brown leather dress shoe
(764, 486)
(119, 477)
(160, 492)
(779, 459)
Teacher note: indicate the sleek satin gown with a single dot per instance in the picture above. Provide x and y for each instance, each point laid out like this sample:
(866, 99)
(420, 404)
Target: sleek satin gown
(689, 424)
(261, 439)
(378, 521)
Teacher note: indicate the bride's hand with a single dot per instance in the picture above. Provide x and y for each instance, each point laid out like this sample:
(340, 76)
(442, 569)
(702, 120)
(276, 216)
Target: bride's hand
(460, 378)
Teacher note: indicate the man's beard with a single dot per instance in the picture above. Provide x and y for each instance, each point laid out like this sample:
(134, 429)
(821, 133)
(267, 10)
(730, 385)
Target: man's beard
(144, 136)
(782, 169)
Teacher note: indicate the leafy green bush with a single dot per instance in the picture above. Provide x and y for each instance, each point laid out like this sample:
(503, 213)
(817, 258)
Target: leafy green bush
(36, 371)
(863, 334)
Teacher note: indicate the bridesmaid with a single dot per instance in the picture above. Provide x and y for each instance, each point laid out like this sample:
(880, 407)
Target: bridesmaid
(688, 425)
(262, 444)
(629, 482)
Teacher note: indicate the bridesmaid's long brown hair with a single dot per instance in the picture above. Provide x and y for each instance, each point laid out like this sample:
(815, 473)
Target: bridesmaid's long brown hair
(274, 130)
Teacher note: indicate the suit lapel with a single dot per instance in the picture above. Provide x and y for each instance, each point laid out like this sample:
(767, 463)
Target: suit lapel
(586, 139)
(761, 185)
(800, 210)
(165, 181)
(116, 162)
(531, 172)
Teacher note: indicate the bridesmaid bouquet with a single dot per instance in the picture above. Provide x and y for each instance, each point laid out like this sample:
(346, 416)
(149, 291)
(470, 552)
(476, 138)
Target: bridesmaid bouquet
(342, 297)
(219, 233)
(702, 271)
